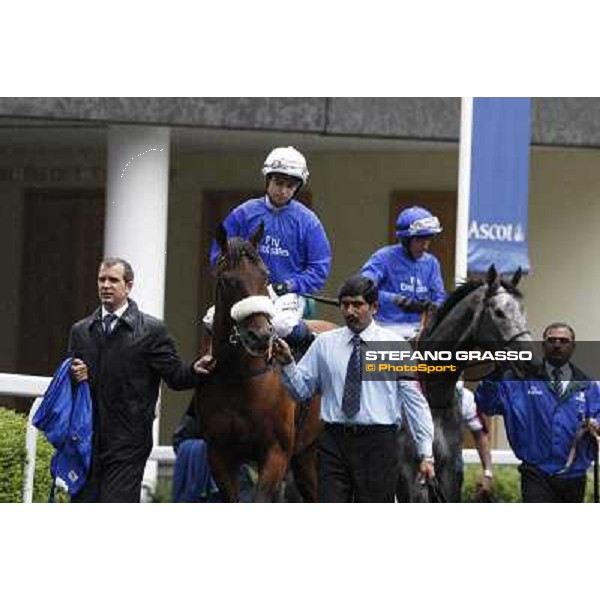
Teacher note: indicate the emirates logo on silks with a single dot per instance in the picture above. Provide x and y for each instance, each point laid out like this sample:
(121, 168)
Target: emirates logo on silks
(534, 391)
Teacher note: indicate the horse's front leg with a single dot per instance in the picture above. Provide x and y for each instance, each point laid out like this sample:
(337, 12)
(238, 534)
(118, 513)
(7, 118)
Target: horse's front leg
(225, 471)
(304, 468)
(271, 475)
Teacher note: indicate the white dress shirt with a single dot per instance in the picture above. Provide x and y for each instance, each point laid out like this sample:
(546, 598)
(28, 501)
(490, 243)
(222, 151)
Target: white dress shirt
(322, 371)
(118, 313)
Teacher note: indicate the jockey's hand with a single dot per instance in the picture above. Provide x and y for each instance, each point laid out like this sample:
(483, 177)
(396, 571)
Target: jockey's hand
(281, 352)
(205, 365)
(417, 306)
(79, 371)
(400, 301)
(425, 305)
(426, 469)
(281, 289)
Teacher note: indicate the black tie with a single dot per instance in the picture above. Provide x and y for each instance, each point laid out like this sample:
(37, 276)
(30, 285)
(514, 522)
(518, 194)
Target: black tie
(556, 381)
(351, 398)
(107, 322)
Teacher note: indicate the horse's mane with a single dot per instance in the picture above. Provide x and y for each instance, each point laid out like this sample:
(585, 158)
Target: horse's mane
(461, 292)
(511, 289)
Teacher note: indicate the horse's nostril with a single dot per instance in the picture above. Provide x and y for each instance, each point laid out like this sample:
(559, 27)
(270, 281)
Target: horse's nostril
(254, 336)
(262, 337)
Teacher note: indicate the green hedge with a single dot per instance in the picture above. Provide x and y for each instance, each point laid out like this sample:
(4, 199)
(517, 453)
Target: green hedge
(13, 456)
(507, 484)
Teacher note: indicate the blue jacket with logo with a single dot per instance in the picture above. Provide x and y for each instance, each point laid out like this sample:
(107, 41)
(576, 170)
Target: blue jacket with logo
(396, 272)
(65, 417)
(294, 247)
(540, 425)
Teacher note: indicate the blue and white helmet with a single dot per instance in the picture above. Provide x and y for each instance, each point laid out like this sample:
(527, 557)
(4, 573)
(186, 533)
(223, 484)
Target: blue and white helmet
(417, 222)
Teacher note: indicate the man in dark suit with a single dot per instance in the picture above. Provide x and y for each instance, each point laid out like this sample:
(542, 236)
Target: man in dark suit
(124, 353)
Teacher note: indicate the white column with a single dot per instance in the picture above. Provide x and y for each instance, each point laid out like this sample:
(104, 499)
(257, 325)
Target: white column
(464, 190)
(137, 195)
(137, 208)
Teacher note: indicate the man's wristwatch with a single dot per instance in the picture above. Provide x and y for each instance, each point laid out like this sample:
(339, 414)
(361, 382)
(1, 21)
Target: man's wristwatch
(488, 473)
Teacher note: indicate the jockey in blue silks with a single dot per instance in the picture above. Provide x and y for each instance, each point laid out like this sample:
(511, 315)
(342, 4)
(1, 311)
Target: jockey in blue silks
(408, 276)
(294, 246)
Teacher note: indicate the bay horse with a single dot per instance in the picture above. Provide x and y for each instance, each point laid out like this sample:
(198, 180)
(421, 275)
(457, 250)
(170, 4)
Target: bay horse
(482, 313)
(243, 410)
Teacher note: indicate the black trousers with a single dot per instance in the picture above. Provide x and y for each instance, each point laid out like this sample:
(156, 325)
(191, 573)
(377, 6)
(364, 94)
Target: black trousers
(113, 481)
(537, 486)
(358, 463)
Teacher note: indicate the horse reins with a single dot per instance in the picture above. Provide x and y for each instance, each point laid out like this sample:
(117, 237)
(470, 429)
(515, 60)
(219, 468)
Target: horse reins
(239, 336)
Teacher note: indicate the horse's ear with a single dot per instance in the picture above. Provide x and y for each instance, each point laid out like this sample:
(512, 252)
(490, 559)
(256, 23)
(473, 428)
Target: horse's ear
(517, 277)
(492, 275)
(257, 235)
(492, 279)
(222, 238)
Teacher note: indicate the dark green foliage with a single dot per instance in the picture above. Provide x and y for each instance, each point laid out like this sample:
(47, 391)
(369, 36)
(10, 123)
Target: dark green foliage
(163, 490)
(13, 457)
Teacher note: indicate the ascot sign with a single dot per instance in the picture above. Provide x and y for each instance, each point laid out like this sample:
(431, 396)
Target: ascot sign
(496, 232)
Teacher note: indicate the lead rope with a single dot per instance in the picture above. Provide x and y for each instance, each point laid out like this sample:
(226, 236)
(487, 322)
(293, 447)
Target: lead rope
(588, 426)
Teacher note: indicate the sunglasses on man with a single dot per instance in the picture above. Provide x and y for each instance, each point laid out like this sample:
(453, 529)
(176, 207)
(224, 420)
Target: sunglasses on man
(558, 340)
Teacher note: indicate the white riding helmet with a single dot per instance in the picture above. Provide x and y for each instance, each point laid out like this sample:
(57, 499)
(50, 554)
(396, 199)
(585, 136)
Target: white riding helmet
(287, 161)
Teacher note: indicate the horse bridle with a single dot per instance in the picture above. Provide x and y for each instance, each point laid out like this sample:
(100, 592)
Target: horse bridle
(506, 343)
(486, 304)
(239, 334)
(243, 309)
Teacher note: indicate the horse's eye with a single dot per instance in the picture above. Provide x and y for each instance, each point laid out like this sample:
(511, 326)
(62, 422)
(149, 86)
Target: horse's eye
(500, 313)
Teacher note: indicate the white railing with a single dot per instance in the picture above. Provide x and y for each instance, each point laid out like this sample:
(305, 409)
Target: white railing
(165, 454)
(499, 457)
(31, 386)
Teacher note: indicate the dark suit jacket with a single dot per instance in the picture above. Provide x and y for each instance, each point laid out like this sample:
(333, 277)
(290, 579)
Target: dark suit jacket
(125, 371)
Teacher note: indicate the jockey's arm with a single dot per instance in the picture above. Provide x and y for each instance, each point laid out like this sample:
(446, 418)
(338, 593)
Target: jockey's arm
(375, 270)
(318, 263)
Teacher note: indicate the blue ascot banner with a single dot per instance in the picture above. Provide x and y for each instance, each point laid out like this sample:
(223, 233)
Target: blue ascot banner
(499, 184)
